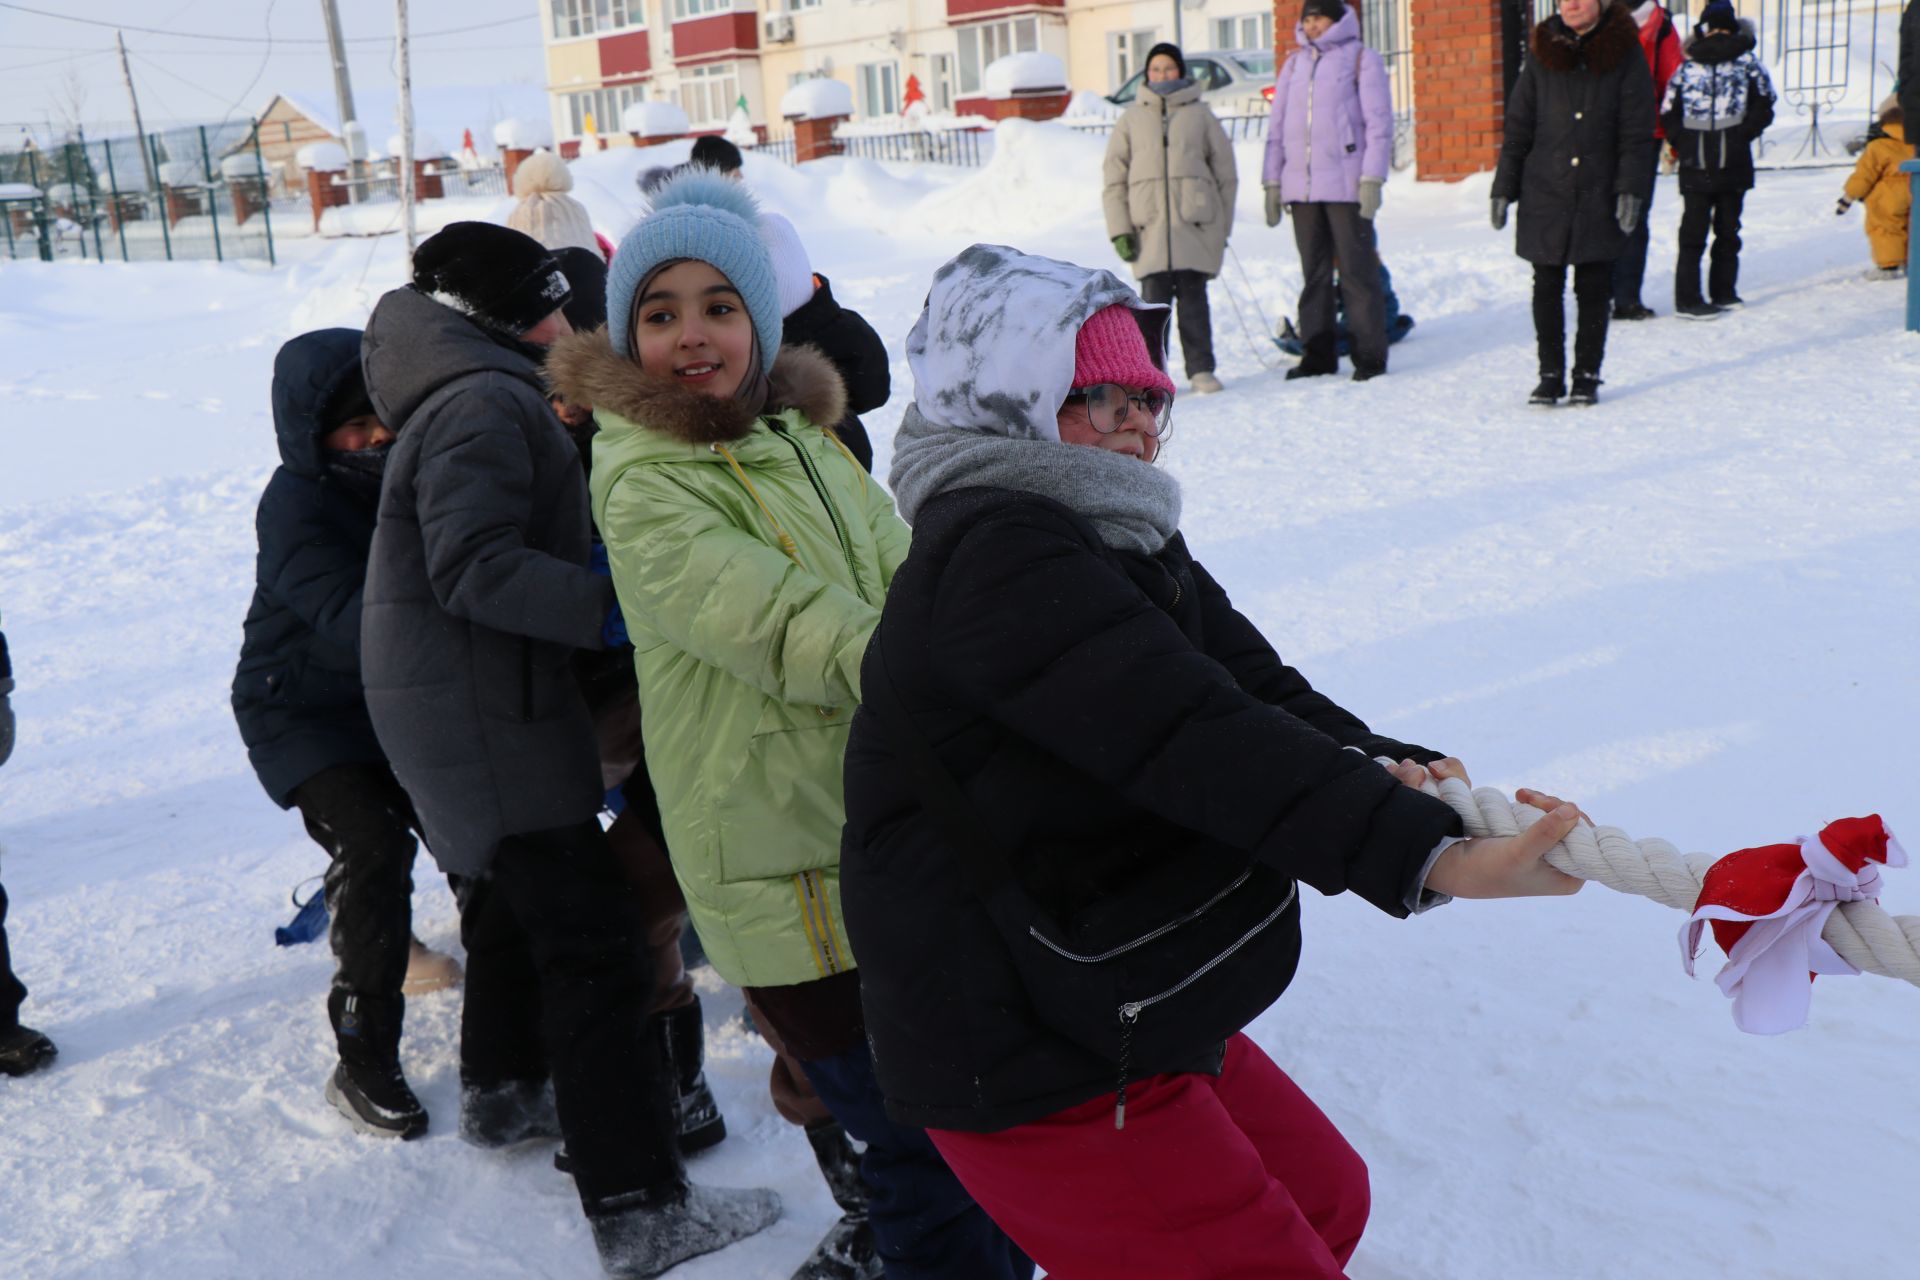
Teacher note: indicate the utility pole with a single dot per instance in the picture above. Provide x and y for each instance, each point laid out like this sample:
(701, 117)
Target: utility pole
(139, 129)
(343, 95)
(407, 176)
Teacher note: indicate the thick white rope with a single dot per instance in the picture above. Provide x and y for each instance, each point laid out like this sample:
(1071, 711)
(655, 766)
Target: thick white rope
(1864, 933)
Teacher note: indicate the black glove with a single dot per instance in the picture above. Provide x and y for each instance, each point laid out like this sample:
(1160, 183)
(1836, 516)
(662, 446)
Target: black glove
(1626, 211)
(1500, 204)
(1275, 210)
(6, 726)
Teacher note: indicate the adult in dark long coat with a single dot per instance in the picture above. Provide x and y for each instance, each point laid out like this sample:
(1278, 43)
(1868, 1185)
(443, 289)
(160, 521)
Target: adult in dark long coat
(22, 1049)
(1575, 159)
(478, 594)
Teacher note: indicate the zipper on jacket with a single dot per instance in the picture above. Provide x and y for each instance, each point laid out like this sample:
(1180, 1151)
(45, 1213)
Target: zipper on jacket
(1130, 1011)
(1144, 938)
(1166, 175)
(820, 490)
(1313, 73)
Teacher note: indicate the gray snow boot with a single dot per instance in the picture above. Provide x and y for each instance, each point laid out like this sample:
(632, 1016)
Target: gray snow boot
(649, 1234)
(513, 1111)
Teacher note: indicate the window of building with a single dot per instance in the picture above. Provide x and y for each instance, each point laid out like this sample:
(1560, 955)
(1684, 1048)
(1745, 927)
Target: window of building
(685, 9)
(794, 6)
(1127, 52)
(879, 88)
(707, 94)
(985, 42)
(606, 106)
(595, 17)
(940, 71)
(801, 77)
(1248, 31)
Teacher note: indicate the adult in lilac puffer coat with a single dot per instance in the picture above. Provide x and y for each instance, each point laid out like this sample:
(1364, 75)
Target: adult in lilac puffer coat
(1332, 121)
(1328, 146)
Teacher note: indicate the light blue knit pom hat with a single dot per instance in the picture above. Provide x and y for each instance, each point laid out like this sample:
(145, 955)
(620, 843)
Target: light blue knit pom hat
(712, 219)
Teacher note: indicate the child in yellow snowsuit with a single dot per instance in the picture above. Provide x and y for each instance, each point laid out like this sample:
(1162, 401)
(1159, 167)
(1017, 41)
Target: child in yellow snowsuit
(1889, 198)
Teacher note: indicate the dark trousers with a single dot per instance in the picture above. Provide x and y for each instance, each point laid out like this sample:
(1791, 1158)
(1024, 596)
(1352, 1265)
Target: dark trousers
(13, 993)
(360, 815)
(558, 985)
(1630, 268)
(1720, 213)
(1592, 293)
(1324, 232)
(1188, 291)
(925, 1225)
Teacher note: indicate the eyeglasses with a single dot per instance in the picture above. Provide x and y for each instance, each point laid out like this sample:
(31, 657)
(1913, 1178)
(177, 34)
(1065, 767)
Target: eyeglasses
(1108, 406)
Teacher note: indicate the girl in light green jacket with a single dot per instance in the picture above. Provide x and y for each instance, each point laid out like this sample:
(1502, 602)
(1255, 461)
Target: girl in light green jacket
(751, 555)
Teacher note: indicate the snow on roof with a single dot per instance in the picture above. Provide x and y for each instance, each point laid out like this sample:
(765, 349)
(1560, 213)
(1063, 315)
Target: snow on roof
(523, 133)
(425, 145)
(180, 173)
(18, 191)
(817, 100)
(651, 118)
(1019, 73)
(440, 111)
(328, 157)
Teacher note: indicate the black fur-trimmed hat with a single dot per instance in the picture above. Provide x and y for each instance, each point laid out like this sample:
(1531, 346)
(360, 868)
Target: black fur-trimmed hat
(502, 278)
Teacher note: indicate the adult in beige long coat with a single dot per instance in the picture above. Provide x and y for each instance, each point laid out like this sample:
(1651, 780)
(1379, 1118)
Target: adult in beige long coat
(1170, 185)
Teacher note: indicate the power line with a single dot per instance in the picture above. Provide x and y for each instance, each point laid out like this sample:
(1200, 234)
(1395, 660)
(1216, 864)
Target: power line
(269, 40)
(53, 62)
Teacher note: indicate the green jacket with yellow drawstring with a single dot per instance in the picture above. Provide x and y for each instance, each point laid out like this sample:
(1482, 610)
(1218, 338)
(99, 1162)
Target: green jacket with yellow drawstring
(751, 555)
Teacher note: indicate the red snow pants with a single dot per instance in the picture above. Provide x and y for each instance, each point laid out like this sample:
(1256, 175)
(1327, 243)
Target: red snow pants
(1239, 1177)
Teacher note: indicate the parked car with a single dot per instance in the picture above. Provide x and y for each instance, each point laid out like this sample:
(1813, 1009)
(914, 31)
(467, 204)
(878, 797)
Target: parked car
(1239, 82)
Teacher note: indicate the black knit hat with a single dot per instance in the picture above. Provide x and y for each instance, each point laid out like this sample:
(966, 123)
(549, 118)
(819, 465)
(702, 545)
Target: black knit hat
(1329, 9)
(1172, 51)
(502, 278)
(587, 273)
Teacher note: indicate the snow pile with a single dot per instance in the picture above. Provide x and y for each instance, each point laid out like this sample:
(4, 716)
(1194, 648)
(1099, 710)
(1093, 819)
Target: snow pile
(1086, 105)
(1023, 73)
(817, 100)
(523, 133)
(1041, 175)
(18, 191)
(655, 118)
(740, 131)
(321, 157)
(242, 164)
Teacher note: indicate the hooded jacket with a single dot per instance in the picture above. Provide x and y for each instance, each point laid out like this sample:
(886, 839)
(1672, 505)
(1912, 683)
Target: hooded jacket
(1660, 44)
(1877, 182)
(1112, 719)
(1332, 118)
(1576, 139)
(478, 591)
(1171, 182)
(751, 555)
(296, 693)
(1719, 101)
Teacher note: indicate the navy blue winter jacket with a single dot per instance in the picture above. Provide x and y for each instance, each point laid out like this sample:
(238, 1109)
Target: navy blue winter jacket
(297, 694)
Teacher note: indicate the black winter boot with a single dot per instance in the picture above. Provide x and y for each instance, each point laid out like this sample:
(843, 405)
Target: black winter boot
(643, 1235)
(510, 1112)
(367, 1087)
(1586, 389)
(24, 1051)
(683, 1038)
(1552, 387)
(847, 1252)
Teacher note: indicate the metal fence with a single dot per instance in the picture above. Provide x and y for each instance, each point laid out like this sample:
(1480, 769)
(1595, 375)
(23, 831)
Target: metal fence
(1247, 128)
(1386, 26)
(947, 146)
(193, 193)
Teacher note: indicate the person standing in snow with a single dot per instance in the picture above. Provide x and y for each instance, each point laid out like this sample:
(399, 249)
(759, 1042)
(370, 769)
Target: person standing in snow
(302, 713)
(1082, 791)
(1877, 181)
(547, 211)
(478, 594)
(1329, 144)
(1716, 106)
(1170, 187)
(1660, 43)
(751, 554)
(1575, 160)
(22, 1049)
(810, 317)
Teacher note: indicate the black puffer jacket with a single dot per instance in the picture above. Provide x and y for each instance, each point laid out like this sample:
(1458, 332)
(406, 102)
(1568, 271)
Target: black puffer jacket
(1577, 138)
(477, 591)
(1716, 154)
(845, 338)
(297, 694)
(1102, 711)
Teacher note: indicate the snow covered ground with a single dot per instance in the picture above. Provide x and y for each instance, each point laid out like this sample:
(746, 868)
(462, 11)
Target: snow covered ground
(1691, 608)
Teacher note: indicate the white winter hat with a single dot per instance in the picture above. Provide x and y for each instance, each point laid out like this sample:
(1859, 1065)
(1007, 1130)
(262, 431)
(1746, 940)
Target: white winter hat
(792, 272)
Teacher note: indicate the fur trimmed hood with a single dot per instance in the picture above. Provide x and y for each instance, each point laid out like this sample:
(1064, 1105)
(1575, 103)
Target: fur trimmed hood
(1557, 48)
(584, 370)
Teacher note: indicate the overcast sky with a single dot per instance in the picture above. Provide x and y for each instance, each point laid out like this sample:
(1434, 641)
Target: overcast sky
(191, 80)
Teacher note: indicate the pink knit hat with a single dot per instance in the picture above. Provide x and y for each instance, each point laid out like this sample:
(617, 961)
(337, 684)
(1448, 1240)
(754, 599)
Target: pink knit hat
(1111, 348)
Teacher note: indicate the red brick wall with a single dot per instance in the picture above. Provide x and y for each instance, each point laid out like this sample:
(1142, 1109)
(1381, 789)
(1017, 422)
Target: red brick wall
(1459, 88)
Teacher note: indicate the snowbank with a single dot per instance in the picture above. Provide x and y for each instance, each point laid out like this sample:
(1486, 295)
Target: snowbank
(655, 118)
(1041, 175)
(322, 157)
(817, 100)
(1019, 73)
(1087, 105)
(523, 133)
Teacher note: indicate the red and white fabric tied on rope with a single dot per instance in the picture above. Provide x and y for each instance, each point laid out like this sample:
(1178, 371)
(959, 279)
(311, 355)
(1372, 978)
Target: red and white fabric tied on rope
(1768, 906)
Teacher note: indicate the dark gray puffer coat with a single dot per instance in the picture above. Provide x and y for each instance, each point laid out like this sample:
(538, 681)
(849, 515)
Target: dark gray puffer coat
(478, 590)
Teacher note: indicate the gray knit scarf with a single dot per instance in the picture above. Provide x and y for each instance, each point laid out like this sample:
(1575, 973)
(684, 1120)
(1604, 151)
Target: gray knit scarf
(1135, 506)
